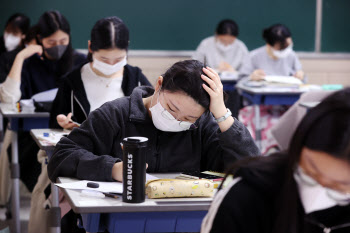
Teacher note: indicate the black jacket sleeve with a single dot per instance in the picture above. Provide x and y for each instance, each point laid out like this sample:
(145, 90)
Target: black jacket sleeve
(86, 152)
(240, 209)
(222, 149)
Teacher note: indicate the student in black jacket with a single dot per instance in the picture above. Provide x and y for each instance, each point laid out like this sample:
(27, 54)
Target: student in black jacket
(38, 68)
(185, 119)
(106, 77)
(303, 190)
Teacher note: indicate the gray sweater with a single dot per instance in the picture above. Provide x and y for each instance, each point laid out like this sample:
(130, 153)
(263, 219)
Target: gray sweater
(90, 151)
(209, 53)
(259, 59)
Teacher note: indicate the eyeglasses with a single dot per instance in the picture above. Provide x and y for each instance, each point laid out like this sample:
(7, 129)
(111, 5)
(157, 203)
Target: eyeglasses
(183, 124)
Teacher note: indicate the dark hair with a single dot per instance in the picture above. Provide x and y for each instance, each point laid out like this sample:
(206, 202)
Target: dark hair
(17, 22)
(185, 76)
(324, 128)
(31, 34)
(49, 23)
(227, 27)
(108, 33)
(277, 33)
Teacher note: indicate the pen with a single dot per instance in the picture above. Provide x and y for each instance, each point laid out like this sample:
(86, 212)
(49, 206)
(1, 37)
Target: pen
(113, 195)
(71, 121)
(99, 194)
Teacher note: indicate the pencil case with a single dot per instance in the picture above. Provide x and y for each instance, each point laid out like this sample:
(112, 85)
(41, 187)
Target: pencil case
(164, 188)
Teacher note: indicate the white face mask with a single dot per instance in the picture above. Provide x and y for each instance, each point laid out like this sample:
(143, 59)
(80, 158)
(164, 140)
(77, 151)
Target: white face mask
(164, 121)
(222, 47)
(283, 53)
(316, 197)
(11, 41)
(108, 69)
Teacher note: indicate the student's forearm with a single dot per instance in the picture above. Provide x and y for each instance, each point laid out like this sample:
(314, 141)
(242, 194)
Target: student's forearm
(16, 70)
(226, 124)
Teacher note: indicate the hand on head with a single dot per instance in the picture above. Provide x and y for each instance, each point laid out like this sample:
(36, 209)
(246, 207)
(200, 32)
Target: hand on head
(215, 90)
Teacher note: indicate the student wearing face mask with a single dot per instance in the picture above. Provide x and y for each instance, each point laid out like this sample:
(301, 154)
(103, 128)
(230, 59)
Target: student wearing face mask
(275, 58)
(184, 117)
(16, 28)
(38, 68)
(223, 51)
(106, 76)
(305, 189)
(7, 59)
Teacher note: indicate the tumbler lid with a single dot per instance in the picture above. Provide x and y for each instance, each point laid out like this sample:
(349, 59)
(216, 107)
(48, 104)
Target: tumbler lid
(135, 141)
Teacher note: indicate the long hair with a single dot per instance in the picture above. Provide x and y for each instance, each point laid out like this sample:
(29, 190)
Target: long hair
(324, 128)
(49, 23)
(109, 33)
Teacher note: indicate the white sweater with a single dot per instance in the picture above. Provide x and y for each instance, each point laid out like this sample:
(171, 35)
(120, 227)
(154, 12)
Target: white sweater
(100, 90)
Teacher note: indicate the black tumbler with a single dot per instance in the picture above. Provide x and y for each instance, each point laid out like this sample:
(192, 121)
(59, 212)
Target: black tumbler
(134, 169)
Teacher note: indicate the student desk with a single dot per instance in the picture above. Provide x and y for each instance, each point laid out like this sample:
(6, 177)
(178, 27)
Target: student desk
(55, 211)
(268, 96)
(229, 85)
(154, 215)
(20, 121)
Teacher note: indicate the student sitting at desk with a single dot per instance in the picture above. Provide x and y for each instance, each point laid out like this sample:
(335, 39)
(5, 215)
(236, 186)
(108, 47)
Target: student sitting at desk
(275, 58)
(38, 68)
(106, 77)
(303, 190)
(184, 117)
(223, 51)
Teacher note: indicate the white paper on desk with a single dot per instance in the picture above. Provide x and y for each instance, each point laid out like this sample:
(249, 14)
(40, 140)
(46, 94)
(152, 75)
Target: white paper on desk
(45, 96)
(115, 187)
(283, 79)
(27, 103)
(228, 76)
(53, 138)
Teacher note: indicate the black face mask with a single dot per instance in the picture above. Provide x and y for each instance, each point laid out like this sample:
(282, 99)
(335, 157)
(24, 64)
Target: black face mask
(56, 52)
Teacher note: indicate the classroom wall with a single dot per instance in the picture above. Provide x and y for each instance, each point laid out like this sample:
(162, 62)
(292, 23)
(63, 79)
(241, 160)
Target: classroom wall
(182, 24)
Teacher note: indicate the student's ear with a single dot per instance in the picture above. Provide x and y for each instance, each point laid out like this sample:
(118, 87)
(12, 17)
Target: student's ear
(89, 46)
(159, 83)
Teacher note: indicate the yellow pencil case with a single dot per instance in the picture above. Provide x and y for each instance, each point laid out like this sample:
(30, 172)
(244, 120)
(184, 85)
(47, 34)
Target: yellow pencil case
(164, 188)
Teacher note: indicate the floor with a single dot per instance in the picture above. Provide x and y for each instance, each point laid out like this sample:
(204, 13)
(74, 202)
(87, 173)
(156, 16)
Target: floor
(24, 213)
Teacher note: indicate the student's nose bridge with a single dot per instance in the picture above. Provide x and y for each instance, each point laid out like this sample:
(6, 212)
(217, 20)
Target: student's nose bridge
(325, 182)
